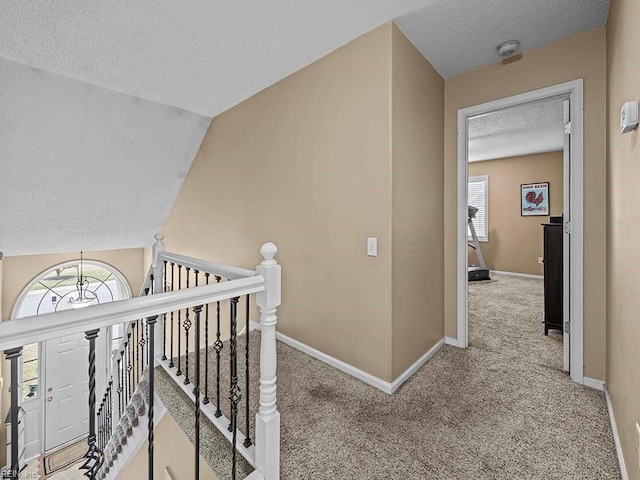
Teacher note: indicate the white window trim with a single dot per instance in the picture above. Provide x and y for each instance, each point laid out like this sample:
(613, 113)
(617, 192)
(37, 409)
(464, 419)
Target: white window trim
(483, 179)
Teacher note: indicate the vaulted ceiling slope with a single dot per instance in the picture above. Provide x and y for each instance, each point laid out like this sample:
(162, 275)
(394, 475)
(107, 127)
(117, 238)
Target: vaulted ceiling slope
(84, 167)
(459, 36)
(201, 55)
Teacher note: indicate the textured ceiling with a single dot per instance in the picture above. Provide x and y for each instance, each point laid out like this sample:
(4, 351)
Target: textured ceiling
(84, 167)
(458, 36)
(202, 55)
(522, 130)
(208, 55)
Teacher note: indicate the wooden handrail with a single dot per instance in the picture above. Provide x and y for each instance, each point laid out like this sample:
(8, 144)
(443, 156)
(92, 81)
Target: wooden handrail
(16, 333)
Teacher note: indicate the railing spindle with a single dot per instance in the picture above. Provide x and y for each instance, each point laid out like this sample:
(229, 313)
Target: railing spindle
(179, 372)
(171, 365)
(92, 462)
(247, 441)
(164, 316)
(119, 390)
(187, 326)
(218, 346)
(151, 321)
(234, 393)
(196, 390)
(13, 355)
(130, 366)
(206, 349)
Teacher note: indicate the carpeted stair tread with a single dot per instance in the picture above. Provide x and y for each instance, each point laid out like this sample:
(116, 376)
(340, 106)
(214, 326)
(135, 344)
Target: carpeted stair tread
(215, 449)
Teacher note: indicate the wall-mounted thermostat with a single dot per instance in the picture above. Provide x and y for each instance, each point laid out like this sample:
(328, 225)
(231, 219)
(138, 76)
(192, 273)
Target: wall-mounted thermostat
(629, 117)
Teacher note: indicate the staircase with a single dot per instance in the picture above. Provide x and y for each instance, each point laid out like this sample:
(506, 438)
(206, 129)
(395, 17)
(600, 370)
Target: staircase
(182, 351)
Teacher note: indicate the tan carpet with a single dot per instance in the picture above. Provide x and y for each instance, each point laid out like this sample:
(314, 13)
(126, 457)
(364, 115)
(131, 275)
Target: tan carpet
(501, 409)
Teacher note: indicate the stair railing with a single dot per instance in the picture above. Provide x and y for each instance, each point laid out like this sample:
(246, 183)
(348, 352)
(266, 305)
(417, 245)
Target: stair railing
(151, 312)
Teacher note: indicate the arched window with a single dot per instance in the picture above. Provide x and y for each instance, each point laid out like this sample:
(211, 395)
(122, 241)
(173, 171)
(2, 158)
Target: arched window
(58, 289)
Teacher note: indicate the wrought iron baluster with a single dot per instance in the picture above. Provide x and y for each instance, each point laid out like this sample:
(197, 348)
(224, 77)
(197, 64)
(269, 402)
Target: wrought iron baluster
(119, 390)
(218, 346)
(247, 441)
(93, 456)
(109, 410)
(151, 321)
(151, 279)
(187, 326)
(136, 364)
(129, 368)
(13, 355)
(164, 316)
(196, 390)
(179, 372)
(171, 335)
(142, 342)
(205, 400)
(235, 394)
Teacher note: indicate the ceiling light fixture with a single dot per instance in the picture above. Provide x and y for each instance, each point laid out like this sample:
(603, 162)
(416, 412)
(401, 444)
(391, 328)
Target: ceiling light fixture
(507, 49)
(82, 286)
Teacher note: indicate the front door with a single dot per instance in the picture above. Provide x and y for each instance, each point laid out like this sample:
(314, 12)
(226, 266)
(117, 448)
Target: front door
(66, 390)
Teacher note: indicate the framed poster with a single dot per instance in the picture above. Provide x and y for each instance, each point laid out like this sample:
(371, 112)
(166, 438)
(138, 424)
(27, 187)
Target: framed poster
(534, 199)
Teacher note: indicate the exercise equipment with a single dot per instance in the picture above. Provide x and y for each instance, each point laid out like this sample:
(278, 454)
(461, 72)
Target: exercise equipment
(476, 272)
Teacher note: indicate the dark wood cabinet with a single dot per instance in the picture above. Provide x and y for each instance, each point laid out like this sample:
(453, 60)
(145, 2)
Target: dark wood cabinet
(553, 278)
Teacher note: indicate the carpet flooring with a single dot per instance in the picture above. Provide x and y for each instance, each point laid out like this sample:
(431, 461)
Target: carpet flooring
(501, 409)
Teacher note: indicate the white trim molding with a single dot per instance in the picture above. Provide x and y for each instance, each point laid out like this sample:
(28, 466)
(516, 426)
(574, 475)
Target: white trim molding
(516, 274)
(574, 91)
(387, 387)
(594, 383)
(616, 436)
(451, 341)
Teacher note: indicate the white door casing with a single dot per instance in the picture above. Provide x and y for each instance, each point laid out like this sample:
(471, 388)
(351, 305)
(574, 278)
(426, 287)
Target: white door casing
(575, 306)
(566, 243)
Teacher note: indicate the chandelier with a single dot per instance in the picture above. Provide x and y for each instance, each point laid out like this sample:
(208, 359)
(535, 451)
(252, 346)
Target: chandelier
(84, 297)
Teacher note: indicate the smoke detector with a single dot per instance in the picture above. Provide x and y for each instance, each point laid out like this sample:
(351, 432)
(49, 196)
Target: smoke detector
(508, 49)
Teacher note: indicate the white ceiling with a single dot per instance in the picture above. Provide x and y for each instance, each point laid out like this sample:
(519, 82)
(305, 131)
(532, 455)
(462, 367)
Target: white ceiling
(459, 36)
(69, 144)
(84, 167)
(201, 55)
(522, 130)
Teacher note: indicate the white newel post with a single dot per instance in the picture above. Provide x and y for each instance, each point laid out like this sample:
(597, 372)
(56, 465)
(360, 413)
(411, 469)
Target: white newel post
(268, 417)
(158, 287)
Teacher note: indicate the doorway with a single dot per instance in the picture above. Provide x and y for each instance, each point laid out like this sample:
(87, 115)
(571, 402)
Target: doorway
(54, 374)
(572, 222)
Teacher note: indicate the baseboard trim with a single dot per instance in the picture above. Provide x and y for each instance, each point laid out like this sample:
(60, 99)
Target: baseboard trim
(593, 383)
(616, 436)
(515, 274)
(451, 341)
(387, 387)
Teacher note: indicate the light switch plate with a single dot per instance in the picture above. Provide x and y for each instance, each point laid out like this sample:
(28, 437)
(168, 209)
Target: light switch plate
(372, 246)
(629, 117)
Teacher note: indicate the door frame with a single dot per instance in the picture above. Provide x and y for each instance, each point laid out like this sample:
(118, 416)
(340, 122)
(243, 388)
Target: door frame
(575, 91)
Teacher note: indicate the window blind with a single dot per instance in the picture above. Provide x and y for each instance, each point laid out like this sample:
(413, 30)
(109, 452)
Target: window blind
(478, 197)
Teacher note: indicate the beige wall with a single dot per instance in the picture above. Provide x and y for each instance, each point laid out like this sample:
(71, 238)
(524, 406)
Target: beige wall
(417, 204)
(173, 451)
(623, 254)
(306, 164)
(581, 56)
(18, 271)
(515, 242)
